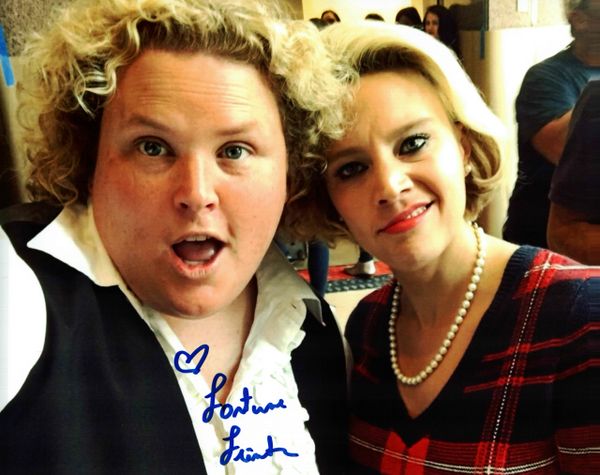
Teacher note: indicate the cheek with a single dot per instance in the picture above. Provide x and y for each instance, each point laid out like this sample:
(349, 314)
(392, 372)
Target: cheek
(119, 197)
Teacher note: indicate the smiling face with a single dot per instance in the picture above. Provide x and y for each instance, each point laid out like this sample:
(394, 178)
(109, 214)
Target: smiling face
(190, 179)
(397, 178)
(432, 24)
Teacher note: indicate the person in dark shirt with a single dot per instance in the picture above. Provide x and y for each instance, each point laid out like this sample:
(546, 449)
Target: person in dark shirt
(574, 222)
(544, 106)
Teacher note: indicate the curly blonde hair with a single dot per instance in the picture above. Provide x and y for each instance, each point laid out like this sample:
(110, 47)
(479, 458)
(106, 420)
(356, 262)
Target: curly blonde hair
(368, 47)
(73, 72)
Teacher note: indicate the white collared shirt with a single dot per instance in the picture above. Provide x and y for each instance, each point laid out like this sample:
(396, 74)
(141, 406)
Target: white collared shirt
(264, 372)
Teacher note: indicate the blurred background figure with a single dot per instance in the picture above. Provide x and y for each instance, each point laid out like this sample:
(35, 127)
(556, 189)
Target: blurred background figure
(439, 23)
(409, 16)
(544, 106)
(329, 16)
(319, 23)
(365, 267)
(374, 16)
(574, 221)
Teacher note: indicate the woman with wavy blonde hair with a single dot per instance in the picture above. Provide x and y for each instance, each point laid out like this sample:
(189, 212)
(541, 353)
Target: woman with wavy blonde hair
(149, 325)
(479, 356)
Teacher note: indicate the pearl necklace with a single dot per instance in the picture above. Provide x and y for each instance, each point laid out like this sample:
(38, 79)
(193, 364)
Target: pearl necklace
(462, 312)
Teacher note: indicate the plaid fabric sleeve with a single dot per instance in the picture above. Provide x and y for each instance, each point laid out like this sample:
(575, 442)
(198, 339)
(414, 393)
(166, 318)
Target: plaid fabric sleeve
(577, 386)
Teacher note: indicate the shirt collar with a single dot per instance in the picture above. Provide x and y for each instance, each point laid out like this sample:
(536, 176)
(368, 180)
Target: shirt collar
(276, 274)
(72, 238)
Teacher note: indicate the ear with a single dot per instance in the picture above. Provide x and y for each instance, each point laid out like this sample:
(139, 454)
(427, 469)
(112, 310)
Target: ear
(577, 19)
(464, 141)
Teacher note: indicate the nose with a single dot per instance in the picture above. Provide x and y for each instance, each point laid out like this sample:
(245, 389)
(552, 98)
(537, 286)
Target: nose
(392, 180)
(195, 185)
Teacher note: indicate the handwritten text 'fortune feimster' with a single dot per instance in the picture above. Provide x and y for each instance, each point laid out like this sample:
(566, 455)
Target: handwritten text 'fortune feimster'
(233, 452)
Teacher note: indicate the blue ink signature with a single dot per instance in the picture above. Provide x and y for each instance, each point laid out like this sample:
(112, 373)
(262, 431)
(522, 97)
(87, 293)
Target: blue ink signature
(226, 411)
(248, 455)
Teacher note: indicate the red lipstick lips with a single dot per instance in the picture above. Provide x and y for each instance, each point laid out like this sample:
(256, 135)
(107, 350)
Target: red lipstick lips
(406, 220)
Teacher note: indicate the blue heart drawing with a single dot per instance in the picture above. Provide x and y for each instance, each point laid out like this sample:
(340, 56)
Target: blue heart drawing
(189, 357)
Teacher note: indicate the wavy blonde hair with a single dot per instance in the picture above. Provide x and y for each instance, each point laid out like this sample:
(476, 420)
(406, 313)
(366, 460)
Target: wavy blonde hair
(73, 71)
(367, 47)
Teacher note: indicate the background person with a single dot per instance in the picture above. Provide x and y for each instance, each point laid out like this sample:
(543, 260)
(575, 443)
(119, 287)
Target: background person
(439, 23)
(574, 221)
(141, 289)
(409, 16)
(480, 356)
(544, 106)
(374, 16)
(329, 16)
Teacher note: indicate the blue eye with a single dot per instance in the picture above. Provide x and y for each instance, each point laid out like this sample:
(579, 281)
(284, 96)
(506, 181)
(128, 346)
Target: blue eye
(152, 148)
(350, 170)
(413, 144)
(234, 152)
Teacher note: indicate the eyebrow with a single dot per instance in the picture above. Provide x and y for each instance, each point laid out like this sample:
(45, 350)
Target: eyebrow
(350, 151)
(139, 119)
(146, 121)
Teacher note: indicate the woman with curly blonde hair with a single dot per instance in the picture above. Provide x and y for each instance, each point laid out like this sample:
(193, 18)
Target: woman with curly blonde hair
(149, 325)
(479, 356)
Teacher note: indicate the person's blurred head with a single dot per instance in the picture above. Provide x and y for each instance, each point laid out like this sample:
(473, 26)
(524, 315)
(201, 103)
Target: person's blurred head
(330, 17)
(584, 18)
(409, 16)
(439, 23)
(374, 16)
(174, 119)
(364, 50)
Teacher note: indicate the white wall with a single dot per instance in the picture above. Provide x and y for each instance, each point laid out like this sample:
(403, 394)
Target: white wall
(357, 9)
(509, 53)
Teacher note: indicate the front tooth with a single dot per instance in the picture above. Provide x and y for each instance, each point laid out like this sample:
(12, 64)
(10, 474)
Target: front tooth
(196, 238)
(417, 212)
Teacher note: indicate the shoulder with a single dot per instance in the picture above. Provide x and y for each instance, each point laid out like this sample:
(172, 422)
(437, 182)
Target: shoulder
(39, 212)
(558, 73)
(560, 286)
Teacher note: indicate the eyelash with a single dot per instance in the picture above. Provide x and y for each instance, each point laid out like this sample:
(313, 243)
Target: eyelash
(243, 148)
(421, 138)
(165, 149)
(145, 141)
(349, 170)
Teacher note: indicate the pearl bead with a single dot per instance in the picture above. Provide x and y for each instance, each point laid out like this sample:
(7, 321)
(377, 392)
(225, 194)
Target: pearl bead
(458, 320)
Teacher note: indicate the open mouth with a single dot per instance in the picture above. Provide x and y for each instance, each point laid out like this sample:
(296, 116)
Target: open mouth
(197, 249)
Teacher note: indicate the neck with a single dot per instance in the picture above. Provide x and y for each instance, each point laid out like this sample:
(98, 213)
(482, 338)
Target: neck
(431, 295)
(226, 329)
(588, 52)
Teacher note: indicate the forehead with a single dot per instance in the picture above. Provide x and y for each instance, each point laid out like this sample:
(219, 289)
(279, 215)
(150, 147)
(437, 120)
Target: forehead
(593, 7)
(159, 79)
(385, 89)
(390, 99)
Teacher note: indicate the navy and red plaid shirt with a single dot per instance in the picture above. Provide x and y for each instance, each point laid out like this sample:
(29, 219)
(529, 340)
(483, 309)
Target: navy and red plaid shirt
(525, 397)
